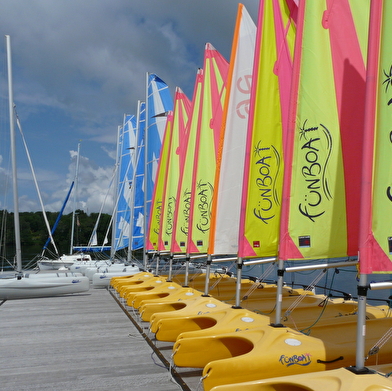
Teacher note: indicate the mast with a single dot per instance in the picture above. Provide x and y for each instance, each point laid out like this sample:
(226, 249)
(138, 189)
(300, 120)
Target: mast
(136, 155)
(116, 195)
(18, 250)
(74, 202)
(145, 217)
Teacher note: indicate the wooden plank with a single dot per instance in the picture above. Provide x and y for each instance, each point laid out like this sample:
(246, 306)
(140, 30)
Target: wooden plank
(75, 342)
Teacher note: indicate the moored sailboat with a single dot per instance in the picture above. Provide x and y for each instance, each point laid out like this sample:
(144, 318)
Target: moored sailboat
(18, 286)
(227, 353)
(374, 248)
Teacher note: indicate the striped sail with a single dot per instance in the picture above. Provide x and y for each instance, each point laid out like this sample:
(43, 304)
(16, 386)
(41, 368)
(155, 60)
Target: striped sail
(137, 212)
(228, 182)
(158, 102)
(209, 120)
(376, 207)
(263, 170)
(182, 108)
(186, 153)
(320, 216)
(159, 188)
(127, 148)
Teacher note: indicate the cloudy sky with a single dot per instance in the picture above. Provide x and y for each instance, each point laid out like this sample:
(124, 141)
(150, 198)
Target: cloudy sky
(79, 66)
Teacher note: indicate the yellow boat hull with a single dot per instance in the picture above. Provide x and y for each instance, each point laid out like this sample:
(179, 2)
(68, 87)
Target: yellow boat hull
(159, 290)
(340, 379)
(268, 352)
(215, 321)
(118, 282)
(147, 307)
(143, 286)
(201, 304)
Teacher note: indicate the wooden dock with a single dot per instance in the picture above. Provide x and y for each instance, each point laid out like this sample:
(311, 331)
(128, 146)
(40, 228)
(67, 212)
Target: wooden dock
(83, 342)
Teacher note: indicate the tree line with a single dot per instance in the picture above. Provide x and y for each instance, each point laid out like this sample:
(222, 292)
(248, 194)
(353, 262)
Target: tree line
(33, 229)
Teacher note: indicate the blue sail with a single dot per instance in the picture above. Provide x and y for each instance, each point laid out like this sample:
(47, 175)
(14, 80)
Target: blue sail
(58, 217)
(137, 212)
(159, 102)
(127, 150)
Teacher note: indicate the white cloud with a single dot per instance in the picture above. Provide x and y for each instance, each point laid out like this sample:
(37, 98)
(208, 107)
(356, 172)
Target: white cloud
(80, 65)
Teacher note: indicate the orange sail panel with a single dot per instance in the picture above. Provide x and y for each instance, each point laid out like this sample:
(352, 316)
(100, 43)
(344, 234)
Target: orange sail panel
(321, 200)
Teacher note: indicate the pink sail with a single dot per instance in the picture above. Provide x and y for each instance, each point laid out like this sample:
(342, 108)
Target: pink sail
(186, 151)
(158, 194)
(375, 252)
(263, 172)
(182, 109)
(207, 124)
(226, 206)
(320, 204)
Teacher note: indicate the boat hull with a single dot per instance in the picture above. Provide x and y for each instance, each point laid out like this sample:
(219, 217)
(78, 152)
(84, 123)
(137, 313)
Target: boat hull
(54, 264)
(341, 379)
(102, 280)
(25, 288)
(269, 352)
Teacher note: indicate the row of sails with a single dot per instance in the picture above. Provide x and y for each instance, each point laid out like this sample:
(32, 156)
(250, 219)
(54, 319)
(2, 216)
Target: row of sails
(270, 162)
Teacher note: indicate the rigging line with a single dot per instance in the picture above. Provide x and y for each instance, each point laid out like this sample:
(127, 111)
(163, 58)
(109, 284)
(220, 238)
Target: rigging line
(111, 218)
(302, 296)
(380, 343)
(218, 280)
(265, 274)
(100, 211)
(35, 179)
(308, 329)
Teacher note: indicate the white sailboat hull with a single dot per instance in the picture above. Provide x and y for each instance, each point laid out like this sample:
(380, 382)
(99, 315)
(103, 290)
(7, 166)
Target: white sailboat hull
(81, 267)
(25, 288)
(54, 264)
(101, 280)
(65, 261)
(90, 271)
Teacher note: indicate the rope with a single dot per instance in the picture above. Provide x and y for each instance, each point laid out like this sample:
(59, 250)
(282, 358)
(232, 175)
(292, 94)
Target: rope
(381, 342)
(266, 273)
(220, 278)
(307, 329)
(200, 384)
(301, 297)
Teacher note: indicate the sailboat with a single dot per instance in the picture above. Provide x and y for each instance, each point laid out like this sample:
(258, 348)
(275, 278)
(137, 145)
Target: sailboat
(374, 240)
(227, 208)
(128, 153)
(270, 350)
(64, 261)
(19, 286)
(239, 76)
